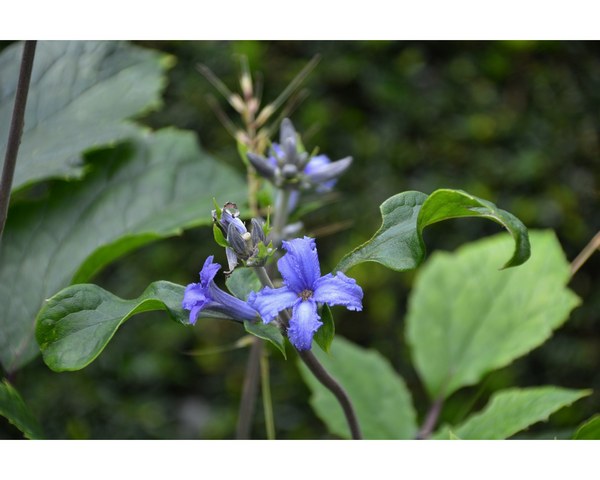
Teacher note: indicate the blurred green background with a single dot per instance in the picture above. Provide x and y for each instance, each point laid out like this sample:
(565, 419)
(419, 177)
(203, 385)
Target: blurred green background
(517, 123)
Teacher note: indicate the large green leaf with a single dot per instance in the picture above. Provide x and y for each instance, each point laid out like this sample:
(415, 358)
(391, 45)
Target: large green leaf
(510, 411)
(80, 95)
(466, 318)
(398, 244)
(381, 400)
(142, 191)
(14, 409)
(589, 430)
(76, 324)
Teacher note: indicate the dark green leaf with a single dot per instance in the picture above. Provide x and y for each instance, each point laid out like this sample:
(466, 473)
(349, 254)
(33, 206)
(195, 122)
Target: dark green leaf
(242, 281)
(269, 332)
(325, 334)
(398, 244)
(81, 93)
(589, 430)
(380, 397)
(466, 318)
(14, 409)
(513, 410)
(77, 323)
(149, 189)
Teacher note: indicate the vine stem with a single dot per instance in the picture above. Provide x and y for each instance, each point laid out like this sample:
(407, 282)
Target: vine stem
(16, 129)
(319, 371)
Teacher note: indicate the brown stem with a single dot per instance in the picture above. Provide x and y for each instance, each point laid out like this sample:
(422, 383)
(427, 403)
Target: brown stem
(16, 129)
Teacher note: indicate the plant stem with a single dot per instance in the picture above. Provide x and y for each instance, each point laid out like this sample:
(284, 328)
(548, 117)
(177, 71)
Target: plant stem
(249, 391)
(585, 254)
(334, 387)
(431, 419)
(266, 395)
(319, 371)
(16, 129)
(280, 214)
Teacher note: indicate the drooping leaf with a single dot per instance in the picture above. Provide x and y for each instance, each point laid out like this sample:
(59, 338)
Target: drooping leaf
(80, 96)
(14, 409)
(382, 402)
(326, 332)
(467, 318)
(510, 411)
(398, 244)
(149, 189)
(76, 324)
(589, 430)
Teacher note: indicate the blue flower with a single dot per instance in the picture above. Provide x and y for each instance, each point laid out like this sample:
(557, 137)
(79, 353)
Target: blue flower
(303, 289)
(206, 296)
(287, 166)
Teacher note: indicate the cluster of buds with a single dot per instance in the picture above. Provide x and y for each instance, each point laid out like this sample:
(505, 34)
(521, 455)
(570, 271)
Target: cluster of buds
(289, 166)
(249, 247)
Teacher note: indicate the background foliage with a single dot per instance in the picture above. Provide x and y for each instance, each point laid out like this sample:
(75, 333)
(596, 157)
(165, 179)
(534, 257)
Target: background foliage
(514, 122)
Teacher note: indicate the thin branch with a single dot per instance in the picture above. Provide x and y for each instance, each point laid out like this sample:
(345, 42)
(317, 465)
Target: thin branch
(16, 129)
(334, 387)
(249, 391)
(585, 254)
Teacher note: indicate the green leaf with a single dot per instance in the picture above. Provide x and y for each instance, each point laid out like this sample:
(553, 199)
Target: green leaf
(77, 323)
(80, 96)
(242, 281)
(150, 188)
(399, 245)
(513, 410)
(380, 397)
(14, 409)
(466, 318)
(325, 334)
(589, 430)
(269, 332)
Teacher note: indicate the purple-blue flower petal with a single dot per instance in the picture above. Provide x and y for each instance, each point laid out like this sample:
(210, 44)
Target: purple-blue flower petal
(299, 267)
(209, 270)
(304, 323)
(314, 165)
(207, 296)
(320, 174)
(338, 290)
(270, 301)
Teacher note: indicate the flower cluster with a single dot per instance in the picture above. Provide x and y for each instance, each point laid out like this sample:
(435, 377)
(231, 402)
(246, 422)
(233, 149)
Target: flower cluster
(303, 289)
(288, 166)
